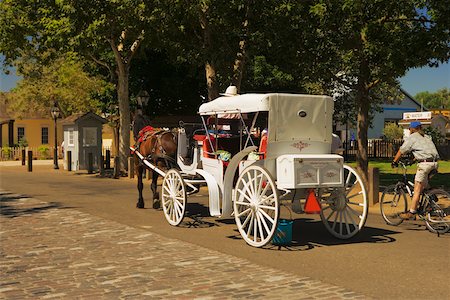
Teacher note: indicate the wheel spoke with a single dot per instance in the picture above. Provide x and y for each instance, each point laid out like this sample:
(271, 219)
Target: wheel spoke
(249, 216)
(267, 207)
(243, 212)
(272, 220)
(245, 195)
(335, 221)
(259, 183)
(329, 217)
(355, 203)
(350, 217)
(250, 226)
(250, 184)
(243, 203)
(255, 229)
(354, 212)
(260, 226)
(347, 226)
(354, 195)
(263, 221)
(267, 199)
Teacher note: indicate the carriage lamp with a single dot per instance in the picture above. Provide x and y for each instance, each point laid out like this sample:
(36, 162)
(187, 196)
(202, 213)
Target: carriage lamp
(55, 115)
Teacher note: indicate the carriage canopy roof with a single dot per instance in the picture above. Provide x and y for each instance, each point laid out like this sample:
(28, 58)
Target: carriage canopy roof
(248, 103)
(241, 103)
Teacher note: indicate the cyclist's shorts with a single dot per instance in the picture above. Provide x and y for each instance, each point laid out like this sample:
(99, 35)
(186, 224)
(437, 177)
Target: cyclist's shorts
(423, 169)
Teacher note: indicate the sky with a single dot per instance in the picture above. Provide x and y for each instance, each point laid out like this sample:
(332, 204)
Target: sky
(415, 80)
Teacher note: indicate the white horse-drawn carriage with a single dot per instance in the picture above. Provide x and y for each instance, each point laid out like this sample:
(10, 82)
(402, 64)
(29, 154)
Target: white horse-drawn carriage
(250, 183)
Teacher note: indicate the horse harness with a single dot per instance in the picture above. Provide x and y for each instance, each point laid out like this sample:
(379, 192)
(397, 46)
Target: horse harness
(148, 133)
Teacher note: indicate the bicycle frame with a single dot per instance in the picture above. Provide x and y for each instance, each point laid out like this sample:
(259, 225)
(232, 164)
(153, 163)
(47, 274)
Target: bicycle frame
(406, 185)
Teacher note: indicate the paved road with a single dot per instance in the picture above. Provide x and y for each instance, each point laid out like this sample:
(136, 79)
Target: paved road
(381, 262)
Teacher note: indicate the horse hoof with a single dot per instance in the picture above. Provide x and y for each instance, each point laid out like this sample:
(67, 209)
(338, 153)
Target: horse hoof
(140, 205)
(156, 204)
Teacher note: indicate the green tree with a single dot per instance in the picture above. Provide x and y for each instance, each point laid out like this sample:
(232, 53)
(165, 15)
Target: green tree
(108, 32)
(374, 42)
(439, 99)
(393, 131)
(64, 79)
(437, 137)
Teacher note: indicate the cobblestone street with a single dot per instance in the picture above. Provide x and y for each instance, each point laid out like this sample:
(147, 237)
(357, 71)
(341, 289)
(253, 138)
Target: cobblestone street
(49, 252)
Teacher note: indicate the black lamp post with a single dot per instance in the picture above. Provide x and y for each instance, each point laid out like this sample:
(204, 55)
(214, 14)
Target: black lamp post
(55, 115)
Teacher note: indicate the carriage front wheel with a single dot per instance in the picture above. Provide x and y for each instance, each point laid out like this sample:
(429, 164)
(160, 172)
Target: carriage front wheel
(256, 206)
(344, 210)
(173, 197)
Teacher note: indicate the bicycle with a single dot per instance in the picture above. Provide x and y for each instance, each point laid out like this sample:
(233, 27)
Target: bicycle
(394, 201)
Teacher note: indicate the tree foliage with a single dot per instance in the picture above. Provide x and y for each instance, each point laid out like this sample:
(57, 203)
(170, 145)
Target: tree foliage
(64, 80)
(393, 131)
(439, 99)
(375, 42)
(301, 46)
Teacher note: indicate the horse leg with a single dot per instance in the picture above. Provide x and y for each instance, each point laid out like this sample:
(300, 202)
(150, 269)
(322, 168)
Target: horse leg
(154, 188)
(140, 186)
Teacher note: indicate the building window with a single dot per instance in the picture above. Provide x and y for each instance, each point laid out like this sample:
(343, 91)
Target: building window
(44, 135)
(20, 133)
(71, 143)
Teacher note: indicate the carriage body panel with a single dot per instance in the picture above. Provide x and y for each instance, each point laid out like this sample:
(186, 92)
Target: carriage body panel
(306, 171)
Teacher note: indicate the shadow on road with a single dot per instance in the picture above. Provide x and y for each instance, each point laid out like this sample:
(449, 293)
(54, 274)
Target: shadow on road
(308, 234)
(13, 205)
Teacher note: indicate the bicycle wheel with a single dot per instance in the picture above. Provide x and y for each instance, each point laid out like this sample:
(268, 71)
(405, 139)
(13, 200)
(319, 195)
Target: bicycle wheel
(437, 217)
(393, 202)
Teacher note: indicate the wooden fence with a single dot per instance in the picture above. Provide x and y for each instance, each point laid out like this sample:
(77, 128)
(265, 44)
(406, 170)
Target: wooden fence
(385, 149)
(15, 153)
(376, 148)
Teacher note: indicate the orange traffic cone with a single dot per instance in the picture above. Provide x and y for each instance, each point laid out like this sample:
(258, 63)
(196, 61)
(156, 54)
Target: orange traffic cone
(312, 205)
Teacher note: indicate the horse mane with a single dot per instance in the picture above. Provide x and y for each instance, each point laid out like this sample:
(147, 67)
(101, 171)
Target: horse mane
(140, 121)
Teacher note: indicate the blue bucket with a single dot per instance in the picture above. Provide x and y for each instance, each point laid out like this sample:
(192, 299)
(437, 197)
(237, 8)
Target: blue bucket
(283, 233)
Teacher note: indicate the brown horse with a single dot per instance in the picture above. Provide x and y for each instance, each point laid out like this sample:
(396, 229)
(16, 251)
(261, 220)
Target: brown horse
(159, 148)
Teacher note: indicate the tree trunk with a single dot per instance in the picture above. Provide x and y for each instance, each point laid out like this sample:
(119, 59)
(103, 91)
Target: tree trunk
(239, 63)
(124, 121)
(211, 81)
(362, 100)
(238, 67)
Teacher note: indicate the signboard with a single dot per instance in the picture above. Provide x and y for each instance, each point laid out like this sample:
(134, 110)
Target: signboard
(417, 115)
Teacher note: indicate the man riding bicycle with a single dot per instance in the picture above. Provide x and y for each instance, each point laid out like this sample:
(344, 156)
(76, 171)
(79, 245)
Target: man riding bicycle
(426, 155)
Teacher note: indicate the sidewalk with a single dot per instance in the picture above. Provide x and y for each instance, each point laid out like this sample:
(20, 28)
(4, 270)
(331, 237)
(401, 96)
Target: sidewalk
(53, 252)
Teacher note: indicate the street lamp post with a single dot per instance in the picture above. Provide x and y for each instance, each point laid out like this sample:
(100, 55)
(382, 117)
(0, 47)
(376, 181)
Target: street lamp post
(55, 115)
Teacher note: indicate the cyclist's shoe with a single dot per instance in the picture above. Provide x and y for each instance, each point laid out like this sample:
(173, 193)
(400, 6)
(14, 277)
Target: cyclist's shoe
(408, 215)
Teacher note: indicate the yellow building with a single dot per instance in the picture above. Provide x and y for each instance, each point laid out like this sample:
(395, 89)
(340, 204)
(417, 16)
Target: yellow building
(36, 130)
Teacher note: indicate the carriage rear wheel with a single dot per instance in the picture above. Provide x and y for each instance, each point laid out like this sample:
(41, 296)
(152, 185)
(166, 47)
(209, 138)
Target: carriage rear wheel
(174, 197)
(256, 206)
(344, 210)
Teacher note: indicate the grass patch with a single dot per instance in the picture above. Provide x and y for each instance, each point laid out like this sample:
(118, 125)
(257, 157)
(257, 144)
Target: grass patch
(389, 175)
